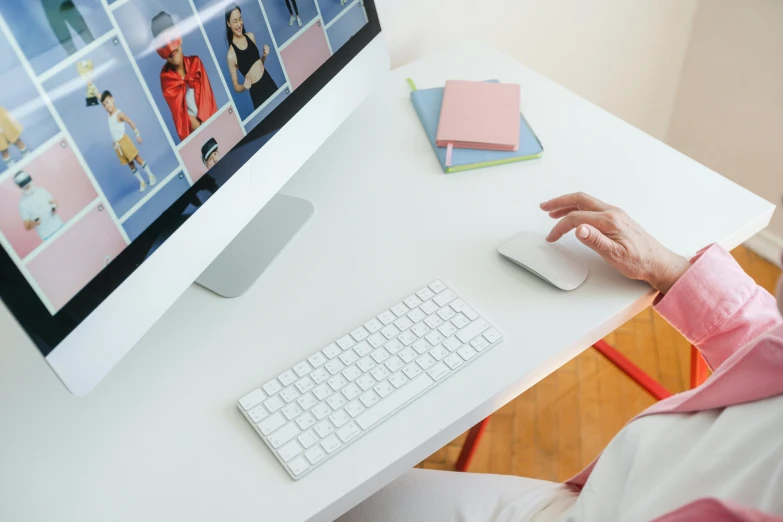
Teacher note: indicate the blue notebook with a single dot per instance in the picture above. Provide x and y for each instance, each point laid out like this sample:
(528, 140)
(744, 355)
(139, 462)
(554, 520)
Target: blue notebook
(428, 102)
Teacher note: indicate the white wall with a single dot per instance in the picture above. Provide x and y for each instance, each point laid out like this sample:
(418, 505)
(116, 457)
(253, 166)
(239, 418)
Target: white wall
(729, 109)
(625, 56)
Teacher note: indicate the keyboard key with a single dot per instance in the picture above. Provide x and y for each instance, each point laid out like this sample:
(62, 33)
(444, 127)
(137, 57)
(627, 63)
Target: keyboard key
(453, 361)
(290, 450)
(306, 401)
(428, 307)
(397, 379)
(305, 385)
(349, 357)
(287, 378)
(274, 404)
(420, 329)
(412, 370)
(369, 399)
(298, 466)
(351, 373)
(394, 401)
(376, 340)
(307, 439)
(292, 411)
(470, 313)
(421, 346)
(337, 382)
(447, 329)
(393, 364)
(425, 293)
(321, 411)
(444, 298)
(305, 421)
(379, 373)
(438, 371)
(336, 401)
(258, 413)
(334, 366)
(452, 343)
(319, 375)
(339, 418)
(330, 444)
(403, 323)
(446, 313)
(331, 351)
(283, 435)
(434, 338)
(407, 338)
(466, 352)
(315, 454)
(387, 317)
(302, 369)
(324, 429)
(425, 361)
(390, 331)
(272, 387)
(492, 335)
(383, 389)
(460, 321)
(412, 302)
(373, 325)
(348, 432)
(479, 344)
(365, 382)
(469, 332)
(316, 360)
(270, 424)
(438, 353)
(437, 286)
(433, 321)
(321, 392)
(366, 364)
(380, 355)
(351, 391)
(362, 349)
(354, 408)
(407, 355)
(457, 305)
(252, 399)
(400, 309)
(359, 334)
(416, 315)
(289, 394)
(393, 346)
(345, 342)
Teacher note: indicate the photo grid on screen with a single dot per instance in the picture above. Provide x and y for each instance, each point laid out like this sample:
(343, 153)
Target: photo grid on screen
(112, 109)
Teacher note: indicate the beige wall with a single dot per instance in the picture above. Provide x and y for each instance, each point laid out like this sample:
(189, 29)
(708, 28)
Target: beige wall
(729, 108)
(625, 56)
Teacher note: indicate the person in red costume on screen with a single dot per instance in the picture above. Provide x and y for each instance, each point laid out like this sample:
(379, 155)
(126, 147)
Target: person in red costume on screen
(183, 79)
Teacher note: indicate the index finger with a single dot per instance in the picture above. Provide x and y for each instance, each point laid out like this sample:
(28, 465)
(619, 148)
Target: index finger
(578, 200)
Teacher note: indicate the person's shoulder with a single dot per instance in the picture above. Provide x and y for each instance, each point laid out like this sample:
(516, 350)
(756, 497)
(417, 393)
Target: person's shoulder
(251, 36)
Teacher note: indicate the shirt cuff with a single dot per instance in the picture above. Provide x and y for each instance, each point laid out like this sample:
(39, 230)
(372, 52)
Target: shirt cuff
(708, 293)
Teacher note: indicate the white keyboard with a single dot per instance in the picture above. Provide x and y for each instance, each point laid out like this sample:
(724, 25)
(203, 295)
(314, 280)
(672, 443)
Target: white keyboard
(323, 404)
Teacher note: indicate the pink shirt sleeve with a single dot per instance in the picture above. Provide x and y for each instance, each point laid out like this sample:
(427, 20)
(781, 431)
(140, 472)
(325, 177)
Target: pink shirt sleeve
(717, 306)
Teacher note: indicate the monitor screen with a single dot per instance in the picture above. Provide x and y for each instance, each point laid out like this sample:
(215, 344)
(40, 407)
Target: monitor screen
(119, 118)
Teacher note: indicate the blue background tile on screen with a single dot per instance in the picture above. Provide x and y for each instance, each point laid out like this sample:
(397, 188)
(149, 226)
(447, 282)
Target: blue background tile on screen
(163, 199)
(272, 105)
(90, 129)
(20, 98)
(348, 25)
(34, 31)
(134, 20)
(213, 18)
(331, 8)
(277, 12)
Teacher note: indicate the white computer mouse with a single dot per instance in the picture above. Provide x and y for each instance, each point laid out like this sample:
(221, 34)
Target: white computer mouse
(552, 262)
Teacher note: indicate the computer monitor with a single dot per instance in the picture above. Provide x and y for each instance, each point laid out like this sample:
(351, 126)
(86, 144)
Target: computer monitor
(140, 137)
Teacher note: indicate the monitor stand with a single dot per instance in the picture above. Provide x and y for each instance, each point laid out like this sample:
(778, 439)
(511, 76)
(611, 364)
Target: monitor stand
(243, 261)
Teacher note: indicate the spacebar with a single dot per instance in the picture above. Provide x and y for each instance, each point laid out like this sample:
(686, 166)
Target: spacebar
(394, 401)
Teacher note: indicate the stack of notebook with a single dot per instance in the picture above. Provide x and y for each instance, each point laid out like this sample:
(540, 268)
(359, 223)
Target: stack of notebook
(475, 124)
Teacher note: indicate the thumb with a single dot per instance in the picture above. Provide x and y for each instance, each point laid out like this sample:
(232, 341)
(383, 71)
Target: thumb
(593, 238)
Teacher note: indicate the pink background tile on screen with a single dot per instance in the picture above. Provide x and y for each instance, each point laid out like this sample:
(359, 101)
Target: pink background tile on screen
(58, 171)
(76, 257)
(305, 54)
(225, 129)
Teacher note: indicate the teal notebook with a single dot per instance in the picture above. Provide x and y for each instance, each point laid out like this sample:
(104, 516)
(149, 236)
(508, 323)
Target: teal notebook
(428, 102)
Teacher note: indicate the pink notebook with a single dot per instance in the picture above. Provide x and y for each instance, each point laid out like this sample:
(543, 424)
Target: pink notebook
(479, 115)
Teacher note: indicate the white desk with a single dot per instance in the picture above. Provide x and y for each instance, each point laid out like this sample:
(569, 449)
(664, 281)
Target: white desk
(161, 439)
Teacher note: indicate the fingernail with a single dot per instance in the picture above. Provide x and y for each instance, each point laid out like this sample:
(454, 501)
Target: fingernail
(542, 204)
(583, 232)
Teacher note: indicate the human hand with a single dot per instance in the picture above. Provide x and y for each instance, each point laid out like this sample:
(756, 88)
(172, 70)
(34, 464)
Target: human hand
(266, 50)
(617, 238)
(138, 139)
(247, 83)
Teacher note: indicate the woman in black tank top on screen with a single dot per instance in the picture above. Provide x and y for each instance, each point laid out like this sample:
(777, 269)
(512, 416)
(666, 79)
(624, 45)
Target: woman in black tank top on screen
(243, 55)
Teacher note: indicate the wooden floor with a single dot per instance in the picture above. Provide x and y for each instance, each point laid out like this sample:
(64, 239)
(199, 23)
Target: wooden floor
(557, 427)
